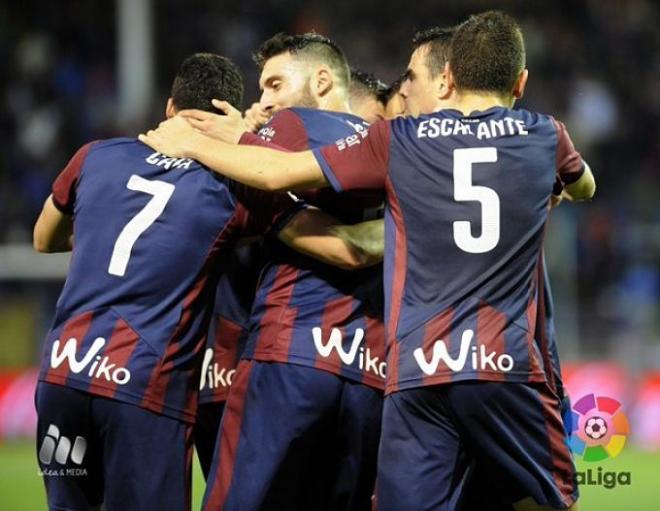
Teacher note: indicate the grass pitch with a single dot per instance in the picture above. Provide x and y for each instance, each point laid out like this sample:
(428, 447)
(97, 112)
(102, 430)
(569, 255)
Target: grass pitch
(21, 488)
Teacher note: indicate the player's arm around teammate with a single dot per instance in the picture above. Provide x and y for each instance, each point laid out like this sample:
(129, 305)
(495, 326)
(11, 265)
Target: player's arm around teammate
(269, 169)
(350, 247)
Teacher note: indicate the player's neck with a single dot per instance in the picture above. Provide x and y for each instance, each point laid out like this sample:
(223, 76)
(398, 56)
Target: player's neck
(468, 102)
(335, 103)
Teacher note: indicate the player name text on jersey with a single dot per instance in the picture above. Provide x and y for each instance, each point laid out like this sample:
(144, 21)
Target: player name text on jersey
(446, 127)
(160, 160)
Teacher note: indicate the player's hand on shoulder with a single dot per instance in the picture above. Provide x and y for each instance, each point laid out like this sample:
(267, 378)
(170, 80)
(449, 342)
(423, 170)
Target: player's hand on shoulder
(256, 116)
(173, 137)
(227, 126)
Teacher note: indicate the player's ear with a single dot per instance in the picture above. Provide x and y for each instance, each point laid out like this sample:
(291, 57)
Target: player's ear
(170, 110)
(519, 86)
(443, 86)
(323, 81)
(449, 77)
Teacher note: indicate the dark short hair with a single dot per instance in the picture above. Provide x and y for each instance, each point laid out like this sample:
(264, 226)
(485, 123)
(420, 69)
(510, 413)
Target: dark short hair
(311, 46)
(487, 53)
(438, 40)
(365, 84)
(206, 76)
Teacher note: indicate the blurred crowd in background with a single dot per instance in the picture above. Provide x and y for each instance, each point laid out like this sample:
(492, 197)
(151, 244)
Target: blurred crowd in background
(593, 64)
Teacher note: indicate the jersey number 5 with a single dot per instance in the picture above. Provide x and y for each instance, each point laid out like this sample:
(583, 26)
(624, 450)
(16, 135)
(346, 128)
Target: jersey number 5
(464, 190)
(161, 192)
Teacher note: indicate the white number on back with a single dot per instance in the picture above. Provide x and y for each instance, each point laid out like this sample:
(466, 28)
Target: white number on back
(464, 190)
(161, 192)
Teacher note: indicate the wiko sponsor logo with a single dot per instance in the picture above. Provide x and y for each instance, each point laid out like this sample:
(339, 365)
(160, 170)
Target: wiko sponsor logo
(477, 357)
(366, 362)
(92, 363)
(59, 447)
(598, 430)
(214, 376)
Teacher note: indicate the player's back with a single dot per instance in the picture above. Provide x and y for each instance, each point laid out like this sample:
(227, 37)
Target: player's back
(143, 224)
(469, 201)
(146, 230)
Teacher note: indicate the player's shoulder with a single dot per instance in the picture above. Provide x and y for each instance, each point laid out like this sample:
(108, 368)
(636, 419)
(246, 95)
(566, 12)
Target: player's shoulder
(118, 146)
(286, 117)
(286, 121)
(143, 158)
(110, 143)
(99, 151)
(535, 121)
(531, 117)
(314, 115)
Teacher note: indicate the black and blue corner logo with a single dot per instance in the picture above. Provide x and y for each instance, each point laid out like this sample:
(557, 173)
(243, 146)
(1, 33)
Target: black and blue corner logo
(59, 448)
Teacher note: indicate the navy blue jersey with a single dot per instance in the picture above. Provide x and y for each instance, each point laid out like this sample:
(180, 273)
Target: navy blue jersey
(467, 203)
(230, 320)
(306, 312)
(148, 231)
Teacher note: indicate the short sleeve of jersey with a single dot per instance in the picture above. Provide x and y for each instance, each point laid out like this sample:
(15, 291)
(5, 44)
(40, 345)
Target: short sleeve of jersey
(359, 161)
(264, 212)
(570, 165)
(64, 186)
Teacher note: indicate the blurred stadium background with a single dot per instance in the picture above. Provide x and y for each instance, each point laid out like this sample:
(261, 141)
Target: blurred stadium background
(76, 70)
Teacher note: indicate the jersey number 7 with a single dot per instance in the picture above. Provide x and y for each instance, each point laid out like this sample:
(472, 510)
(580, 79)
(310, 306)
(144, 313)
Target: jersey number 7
(464, 190)
(161, 192)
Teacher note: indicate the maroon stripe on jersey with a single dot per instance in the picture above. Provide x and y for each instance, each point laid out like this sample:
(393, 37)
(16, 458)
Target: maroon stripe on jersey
(227, 335)
(119, 349)
(154, 397)
(334, 313)
(532, 311)
(192, 373)
(230, 434)
(76, 329)
(491, 325)
(398, 282)
(392, 357)
(563, 470)
(155, 394)
(437, 329)
(375, 343)
(542, 328)
(570, 166)
(64, 187)
(276, 325)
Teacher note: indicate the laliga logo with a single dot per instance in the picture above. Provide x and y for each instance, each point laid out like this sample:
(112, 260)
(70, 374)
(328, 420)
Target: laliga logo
(598, 428)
